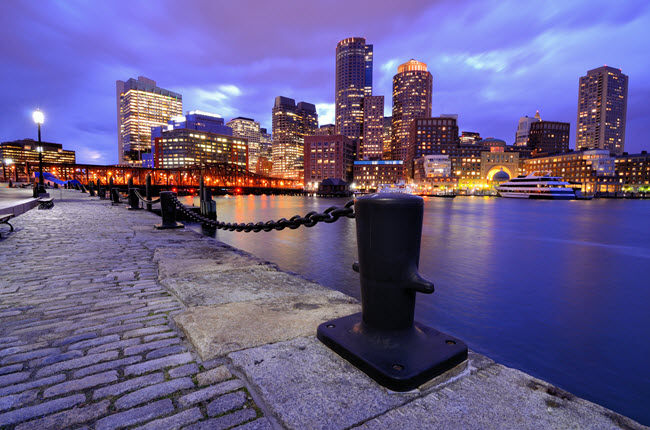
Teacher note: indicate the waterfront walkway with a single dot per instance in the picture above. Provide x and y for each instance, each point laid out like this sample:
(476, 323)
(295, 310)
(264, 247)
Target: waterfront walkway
(107, 323)
(86, 330)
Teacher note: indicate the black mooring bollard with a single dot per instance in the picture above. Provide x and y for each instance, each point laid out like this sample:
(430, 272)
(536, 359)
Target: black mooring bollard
(383, 340)
(168, 211)
(115, 196)
(148, 191)
(134, 201)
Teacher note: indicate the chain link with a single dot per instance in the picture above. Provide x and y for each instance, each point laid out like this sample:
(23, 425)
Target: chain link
(330, 215)
(149, 202)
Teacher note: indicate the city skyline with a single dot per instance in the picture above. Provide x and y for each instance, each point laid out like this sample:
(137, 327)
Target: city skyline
(491, 63)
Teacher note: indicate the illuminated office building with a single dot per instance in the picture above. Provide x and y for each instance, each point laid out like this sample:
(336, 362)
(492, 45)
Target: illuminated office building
(593, 170)
(412, 89)
(326, 130)
(200, 121)
(430, 136)
(633, 172)
(141, 105)
(291, 123)
(15, 155)
(469, 138)
(182, 147)
(328, 156)
(353, 83)
(264, 164)
(249, 129)
(369, 174)
(602, 110)
(371, 147)
(387, 136)
(549, 136)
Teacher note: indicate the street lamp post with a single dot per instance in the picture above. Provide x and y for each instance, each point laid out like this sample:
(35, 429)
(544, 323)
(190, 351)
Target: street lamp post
(38, 119)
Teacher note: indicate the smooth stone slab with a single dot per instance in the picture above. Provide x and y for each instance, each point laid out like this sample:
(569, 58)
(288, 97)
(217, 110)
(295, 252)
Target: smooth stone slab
(213, 253)
(218, 330)
(308, 386)
(500, 398)
(238, 285)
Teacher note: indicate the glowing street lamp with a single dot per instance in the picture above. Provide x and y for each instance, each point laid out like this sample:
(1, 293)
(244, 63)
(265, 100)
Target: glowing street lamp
(5, 163)
(39, 118)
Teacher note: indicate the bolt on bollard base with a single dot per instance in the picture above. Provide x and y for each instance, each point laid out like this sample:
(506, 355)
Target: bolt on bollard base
(383, 340)
(168, 212)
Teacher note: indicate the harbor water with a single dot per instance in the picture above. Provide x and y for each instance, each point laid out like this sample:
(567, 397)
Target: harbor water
(557, 289)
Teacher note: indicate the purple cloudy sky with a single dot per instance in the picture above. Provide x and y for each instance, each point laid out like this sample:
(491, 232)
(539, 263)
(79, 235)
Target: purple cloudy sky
(492, 61)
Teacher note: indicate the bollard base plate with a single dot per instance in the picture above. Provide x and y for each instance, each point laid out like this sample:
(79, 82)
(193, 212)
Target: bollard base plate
(400, 360)
(168, 226)
(134, 209)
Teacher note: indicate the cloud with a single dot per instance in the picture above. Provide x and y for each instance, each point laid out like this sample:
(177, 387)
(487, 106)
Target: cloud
(230, 90)
(492, 61)
(326, 113)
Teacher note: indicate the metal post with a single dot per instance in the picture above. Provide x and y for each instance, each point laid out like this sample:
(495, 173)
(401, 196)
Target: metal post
(201, 188)
(130, 182)
(383, 340)
(210, 205)
(41, 180)
(168, 211)
(148, 191)
(115, 196)
(91, 189)
(134, 201)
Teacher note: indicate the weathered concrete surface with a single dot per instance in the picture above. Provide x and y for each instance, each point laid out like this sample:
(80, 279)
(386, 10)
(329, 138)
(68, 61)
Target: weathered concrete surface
(217, 330)
(245, 283)
(236, 301)
(500, 398)
(305, 385)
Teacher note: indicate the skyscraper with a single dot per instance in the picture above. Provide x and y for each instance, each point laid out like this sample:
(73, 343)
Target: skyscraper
(353, 83)
(430, 136)
(249, 129)
(549, 136)
(371, 146)
(142, 105)
(602, 110)
(291, 123)
(412, 89)
(523, 130)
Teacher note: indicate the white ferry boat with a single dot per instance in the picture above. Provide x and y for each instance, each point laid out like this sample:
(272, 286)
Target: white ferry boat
(537, 186)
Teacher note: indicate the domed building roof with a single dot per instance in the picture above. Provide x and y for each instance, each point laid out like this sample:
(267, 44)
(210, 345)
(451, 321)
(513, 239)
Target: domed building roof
(501, 176)
(491, 141)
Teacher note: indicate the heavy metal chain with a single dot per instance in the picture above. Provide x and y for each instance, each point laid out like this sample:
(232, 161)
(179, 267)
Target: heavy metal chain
(331, 214)
(149, 202)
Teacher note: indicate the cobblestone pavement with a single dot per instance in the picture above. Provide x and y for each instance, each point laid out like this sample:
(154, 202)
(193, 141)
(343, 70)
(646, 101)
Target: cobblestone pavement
(86, 334)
